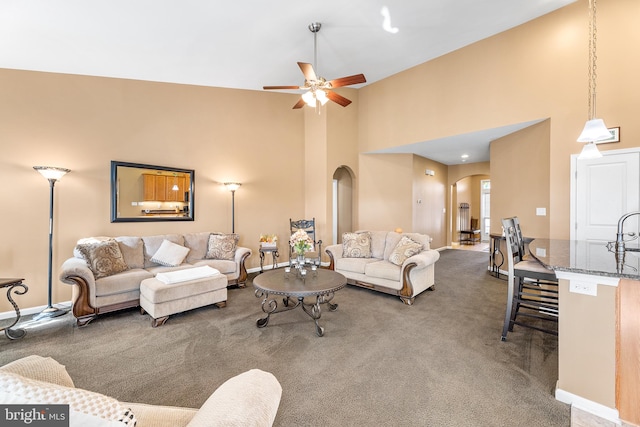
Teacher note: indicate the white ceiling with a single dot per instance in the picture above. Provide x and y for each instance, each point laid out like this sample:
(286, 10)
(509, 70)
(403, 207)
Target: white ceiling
(245, 44)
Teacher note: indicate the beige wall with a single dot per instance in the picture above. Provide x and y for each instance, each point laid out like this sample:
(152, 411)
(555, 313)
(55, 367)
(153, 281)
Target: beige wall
(535, 71)
(83, 123)
(520, 180)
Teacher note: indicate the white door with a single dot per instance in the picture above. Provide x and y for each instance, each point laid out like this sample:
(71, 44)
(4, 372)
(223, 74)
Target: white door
(605, 189)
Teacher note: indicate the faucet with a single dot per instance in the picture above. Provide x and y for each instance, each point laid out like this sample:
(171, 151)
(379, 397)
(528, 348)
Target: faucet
(620, 235)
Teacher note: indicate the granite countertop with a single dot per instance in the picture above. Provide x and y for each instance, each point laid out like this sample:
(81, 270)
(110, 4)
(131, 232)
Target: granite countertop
(586, 257)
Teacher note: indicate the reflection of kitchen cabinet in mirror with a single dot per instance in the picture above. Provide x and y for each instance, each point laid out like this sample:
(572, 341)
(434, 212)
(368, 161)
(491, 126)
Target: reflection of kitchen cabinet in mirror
(151, 193)
(165, 188)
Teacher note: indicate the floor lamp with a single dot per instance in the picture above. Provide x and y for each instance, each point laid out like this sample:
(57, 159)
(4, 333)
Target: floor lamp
(52, 174)
(233, 186)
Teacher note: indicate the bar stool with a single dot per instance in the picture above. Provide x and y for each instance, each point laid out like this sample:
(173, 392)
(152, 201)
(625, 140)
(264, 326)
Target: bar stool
(532, 289)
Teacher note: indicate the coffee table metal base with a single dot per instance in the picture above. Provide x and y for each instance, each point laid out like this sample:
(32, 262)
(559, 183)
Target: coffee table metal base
(270, 306)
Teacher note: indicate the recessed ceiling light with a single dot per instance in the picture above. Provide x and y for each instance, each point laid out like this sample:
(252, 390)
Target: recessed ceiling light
(465, 156)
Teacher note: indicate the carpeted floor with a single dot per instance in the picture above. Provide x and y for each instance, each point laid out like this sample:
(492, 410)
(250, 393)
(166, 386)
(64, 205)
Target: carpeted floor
(439, 362)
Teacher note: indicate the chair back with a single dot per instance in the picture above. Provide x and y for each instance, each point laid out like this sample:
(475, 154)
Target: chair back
(309, 226)
(514, 250)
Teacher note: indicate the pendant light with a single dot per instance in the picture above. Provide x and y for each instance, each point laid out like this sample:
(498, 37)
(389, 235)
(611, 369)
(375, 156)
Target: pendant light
(595, 129)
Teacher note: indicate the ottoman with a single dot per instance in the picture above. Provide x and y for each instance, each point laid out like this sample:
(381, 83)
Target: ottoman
(160, 300)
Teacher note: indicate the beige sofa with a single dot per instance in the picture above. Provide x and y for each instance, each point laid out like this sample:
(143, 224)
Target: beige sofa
(93, 296)
(386, 262)
(248, 399)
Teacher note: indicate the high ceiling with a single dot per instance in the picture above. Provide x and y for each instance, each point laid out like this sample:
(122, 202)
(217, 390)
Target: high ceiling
(246, 44)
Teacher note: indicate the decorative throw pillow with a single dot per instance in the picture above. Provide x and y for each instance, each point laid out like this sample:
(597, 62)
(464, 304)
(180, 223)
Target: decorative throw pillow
(222, 246)
(405, 248)
(356, 245)
(83, 405)
(104, 258)
(170, 254)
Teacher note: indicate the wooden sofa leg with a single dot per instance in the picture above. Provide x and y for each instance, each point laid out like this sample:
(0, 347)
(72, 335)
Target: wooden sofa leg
(159, 321)
(432, 288)
(84, 320)
(220, 304)
(407, 300)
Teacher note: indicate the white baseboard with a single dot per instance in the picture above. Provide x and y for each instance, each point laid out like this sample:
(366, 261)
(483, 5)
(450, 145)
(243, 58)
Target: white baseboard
(586, 405)
(32, 310)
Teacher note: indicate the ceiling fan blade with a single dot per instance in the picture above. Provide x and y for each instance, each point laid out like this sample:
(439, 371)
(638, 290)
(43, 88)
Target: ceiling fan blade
(338, 99)
(299, 104)
(350, 80)
(280, 87)
(307, 70)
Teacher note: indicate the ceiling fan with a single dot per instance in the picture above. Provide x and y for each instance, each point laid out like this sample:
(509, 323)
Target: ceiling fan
(318, 90)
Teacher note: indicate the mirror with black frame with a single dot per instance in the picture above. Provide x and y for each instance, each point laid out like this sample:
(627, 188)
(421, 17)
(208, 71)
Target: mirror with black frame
(141, 193)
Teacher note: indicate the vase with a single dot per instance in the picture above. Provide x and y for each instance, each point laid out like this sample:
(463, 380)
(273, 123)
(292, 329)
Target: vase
(300, 260)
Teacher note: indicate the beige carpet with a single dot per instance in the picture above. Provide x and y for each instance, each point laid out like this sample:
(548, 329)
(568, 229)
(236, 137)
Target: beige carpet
(439, 362)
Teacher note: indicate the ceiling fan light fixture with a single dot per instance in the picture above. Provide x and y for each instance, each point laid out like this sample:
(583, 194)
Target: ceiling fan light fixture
(310, 97)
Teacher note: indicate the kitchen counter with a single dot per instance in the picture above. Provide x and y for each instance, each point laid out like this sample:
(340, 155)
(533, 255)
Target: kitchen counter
(583, 257)
(598, 327)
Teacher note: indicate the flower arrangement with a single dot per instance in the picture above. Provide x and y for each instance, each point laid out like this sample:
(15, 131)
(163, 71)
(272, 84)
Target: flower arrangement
(268, 240)
(301, 242)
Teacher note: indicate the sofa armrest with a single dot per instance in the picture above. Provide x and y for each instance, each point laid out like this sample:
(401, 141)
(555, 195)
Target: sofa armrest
(242, 254)
(76, 267)
(75, 271)
(335, 253)
(423, 259)
(249, 399)
(41, 369)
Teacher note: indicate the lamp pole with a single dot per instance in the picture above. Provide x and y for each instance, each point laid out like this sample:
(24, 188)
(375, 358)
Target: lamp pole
(52, 174)
(233, 186)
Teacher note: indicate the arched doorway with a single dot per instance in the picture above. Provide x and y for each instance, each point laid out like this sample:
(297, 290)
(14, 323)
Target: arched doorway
(343, 179)
(474, 191)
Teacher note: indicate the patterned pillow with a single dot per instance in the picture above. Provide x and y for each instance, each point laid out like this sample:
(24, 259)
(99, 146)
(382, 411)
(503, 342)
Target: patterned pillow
(356, 245)
(15, 388)
(405, 248)
(104, 258)
(222, 246)
(170, 254)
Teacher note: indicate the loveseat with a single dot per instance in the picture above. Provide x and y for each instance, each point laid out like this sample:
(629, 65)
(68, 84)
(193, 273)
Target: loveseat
(107, 272)
(248, 399)
(386, 261)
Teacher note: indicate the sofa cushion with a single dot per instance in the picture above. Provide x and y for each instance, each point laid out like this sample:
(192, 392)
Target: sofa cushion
(170, 254)
(198, 243)
(122, 282)
(378, 242)
(224, 266)
(104, 257)
(391, 241)
(405, 248)
(355, 265)
(383, 270)
(84, 406)
(152, 244)
(356, 245)
(132, 250)
(222, 246)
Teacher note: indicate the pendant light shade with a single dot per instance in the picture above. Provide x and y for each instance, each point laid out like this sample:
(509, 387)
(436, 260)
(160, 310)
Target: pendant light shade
(594, 130)
(590, 151)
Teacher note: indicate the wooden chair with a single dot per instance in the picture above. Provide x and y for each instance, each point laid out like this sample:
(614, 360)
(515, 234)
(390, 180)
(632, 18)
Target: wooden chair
(532, 289)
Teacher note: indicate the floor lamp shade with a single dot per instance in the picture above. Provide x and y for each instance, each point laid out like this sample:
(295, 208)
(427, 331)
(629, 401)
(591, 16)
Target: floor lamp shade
(52, 174)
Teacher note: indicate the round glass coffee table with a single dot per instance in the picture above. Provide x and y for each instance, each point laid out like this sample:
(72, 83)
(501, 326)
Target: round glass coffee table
(321, 284)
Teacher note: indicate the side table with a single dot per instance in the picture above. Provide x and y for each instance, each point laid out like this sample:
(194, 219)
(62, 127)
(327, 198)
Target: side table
(12, 284)
(273, 250)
